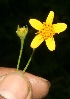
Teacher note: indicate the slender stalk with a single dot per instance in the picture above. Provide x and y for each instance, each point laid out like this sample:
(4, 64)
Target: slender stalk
(21, 49)
(28, 62)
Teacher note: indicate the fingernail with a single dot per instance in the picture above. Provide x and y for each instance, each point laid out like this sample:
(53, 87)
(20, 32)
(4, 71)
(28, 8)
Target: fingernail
(15, 86)
(29, 95)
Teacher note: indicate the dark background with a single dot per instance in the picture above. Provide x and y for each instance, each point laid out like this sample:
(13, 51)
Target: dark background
(54, 66)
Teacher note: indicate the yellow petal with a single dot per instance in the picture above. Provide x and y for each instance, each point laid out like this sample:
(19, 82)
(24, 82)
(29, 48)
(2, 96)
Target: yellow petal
(37, 41)
(35, 24)
(59, 27)
(50, 17)
(50, 44)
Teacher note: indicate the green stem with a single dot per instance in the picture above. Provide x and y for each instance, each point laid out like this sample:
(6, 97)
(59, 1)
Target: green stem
(21, 49)
(28, 62)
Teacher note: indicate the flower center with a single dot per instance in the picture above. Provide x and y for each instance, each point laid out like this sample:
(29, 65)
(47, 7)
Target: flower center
(47, 31)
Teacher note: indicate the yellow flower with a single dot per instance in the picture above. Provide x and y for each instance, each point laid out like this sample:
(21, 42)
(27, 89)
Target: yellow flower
(46, 31)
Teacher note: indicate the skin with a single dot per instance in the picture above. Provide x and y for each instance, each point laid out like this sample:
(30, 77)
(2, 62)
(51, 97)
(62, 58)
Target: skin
(22, 86)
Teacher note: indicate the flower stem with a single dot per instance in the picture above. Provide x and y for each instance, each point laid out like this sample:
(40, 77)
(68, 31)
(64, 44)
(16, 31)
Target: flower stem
(21, 49)
(28, 62)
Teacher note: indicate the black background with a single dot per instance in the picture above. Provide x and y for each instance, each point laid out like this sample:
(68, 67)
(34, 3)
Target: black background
(53, 66)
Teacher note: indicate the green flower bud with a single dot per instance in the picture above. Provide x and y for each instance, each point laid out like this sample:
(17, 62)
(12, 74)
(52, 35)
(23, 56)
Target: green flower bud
(22, 32)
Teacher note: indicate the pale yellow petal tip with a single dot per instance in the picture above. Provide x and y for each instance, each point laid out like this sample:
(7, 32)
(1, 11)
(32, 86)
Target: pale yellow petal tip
(50, 42)
(51, 49)
(50, 17)
(33, 45)
(30, 20)
(65, 26)
(51, 12)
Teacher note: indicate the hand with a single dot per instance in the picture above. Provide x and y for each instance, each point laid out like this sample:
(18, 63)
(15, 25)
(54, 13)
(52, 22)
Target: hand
(15, 85)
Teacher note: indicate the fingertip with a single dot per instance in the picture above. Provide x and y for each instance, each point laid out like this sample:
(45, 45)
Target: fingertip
(15, 86)
(40, 86)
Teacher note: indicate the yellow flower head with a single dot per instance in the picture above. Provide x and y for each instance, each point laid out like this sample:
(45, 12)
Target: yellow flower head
(46, 31)
(22, 32)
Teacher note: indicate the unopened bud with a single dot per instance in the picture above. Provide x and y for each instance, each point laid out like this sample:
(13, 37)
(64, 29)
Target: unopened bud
(22, 32)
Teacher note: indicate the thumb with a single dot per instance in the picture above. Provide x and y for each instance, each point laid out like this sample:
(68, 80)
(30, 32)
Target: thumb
(15, 86)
